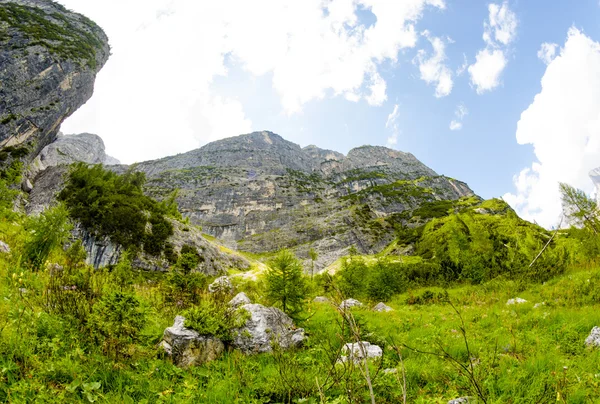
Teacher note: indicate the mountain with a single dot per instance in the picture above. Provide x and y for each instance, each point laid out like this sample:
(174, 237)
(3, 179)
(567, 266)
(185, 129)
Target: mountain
(49, 58)
(259, 193)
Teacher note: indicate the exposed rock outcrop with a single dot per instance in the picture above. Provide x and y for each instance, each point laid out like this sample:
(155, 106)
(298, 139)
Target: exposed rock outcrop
(239, 300)
(382, 307)
(349, 303)
(259, 193)
(360, 351)
(221, 285)
(593, 340)
(266, 325)
(85, 147)
(188, 348)
(49, 57)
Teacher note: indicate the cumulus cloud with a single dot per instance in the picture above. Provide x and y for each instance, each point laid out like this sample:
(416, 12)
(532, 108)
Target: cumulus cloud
(160, 81)
(547, 52)
(499, 31)
(392, 125)
(459, 114)
(487, 69)
(432, 67)
(563, 125)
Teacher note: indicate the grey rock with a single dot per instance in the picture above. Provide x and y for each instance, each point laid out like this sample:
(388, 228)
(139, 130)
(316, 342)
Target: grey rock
(517, 300)
(65, 150)
(593, 340)
(382, 307)
(4, 248)
(188, 348)
(359, 351)
(461, 400)
(221, 285)
(266, 325)
(239, 300)
(321, 299)
(349, 303)
(538, 305)
(45, 80)
(26, 185)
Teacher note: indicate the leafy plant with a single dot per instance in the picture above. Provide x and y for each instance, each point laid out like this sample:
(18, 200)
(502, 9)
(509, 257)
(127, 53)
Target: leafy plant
(286, 285)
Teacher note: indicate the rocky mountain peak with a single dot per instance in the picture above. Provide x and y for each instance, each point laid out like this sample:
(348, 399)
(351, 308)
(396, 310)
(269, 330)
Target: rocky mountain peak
(44, 81)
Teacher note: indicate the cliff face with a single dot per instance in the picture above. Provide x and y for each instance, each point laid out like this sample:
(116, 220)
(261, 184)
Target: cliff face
(49, 58)
(260, 193)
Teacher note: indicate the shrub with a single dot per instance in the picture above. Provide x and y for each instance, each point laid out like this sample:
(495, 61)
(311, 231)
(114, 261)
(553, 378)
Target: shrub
(117, 319)
(215, 318)
(47, 231)
(286, 285)
(114, 206)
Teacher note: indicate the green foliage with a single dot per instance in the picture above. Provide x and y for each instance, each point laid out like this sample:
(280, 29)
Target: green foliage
(286, 285)
(117, 319)
(214, 317)
(434, 209)
(114, 206)
(48, 231)
(184, 289)
(580, 209)
(54, 32)
(188, 259)
(122, 273)
(377, 282)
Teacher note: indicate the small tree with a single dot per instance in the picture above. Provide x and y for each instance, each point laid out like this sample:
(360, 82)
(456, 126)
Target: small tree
(314, 255)
(285, 282)
(579, 208)
(48, 231)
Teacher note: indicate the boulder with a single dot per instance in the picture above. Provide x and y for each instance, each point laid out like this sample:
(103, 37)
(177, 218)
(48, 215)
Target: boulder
(221, 285)
(538, 305)
(348, 303)
(266, 325)
(593, 339)
(4, 248)
(382, 307)
(359, 351)
(321, 299)
(461, 400)
(239, 300)
(517, 300)
(188, 348)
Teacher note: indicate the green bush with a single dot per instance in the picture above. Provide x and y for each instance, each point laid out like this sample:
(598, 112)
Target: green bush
(117, 319)
(48, 231)
(212, 317)
(286, 283)
(114, 206)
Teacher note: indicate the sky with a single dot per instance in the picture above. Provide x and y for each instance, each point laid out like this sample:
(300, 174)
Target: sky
(504, 95)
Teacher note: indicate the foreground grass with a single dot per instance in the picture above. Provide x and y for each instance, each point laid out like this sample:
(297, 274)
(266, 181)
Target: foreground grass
(518, 353)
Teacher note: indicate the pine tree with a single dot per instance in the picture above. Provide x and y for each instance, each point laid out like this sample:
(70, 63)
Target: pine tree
(286, 284)
(579, 208)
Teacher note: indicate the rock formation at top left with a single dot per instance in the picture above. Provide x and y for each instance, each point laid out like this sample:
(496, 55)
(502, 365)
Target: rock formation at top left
(49, 58)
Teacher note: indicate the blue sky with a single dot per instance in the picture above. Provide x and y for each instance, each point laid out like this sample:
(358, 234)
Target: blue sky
(178, 81)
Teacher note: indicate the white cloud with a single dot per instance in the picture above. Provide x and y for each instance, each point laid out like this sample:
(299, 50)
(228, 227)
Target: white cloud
(547, 52)
(563, 125)
(502, 25)
(455, 125)
(460, 113)
(487, 69)
(159, 82)
(432, 69)
(499, 31)
(392, 124)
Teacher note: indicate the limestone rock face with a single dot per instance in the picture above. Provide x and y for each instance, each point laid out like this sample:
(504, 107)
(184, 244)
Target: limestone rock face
(260, 193)
(85, 147)
(188, 348)
(48, 69)
(265, 326)
(593, 339)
